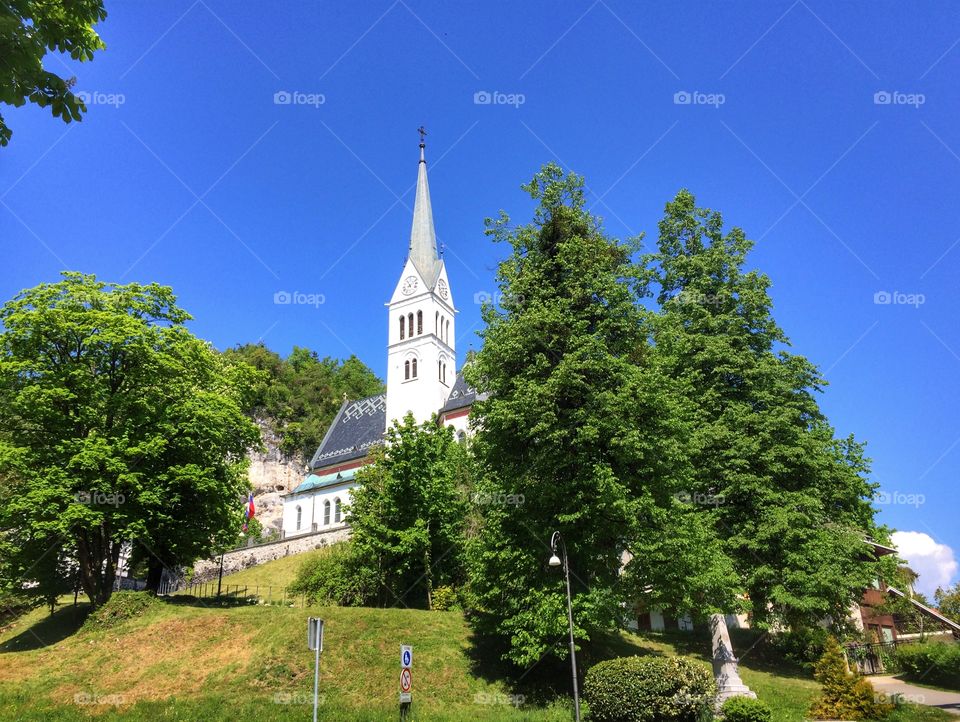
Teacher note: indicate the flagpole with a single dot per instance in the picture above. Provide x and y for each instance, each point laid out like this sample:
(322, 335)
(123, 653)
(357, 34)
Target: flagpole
(220, 579)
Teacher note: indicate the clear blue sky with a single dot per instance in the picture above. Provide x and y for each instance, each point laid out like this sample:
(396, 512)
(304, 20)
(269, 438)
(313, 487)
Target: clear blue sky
(847, 197)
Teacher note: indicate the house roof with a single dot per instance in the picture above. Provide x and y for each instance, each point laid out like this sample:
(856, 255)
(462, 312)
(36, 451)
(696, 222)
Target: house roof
(461, 396)
(318, 481)
(358, 426)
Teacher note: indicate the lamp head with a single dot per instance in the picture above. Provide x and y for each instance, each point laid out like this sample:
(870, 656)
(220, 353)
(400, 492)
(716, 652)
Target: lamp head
(554, 561)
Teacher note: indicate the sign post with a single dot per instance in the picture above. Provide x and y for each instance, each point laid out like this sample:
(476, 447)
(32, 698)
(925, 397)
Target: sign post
(406, 680)
(315, 644)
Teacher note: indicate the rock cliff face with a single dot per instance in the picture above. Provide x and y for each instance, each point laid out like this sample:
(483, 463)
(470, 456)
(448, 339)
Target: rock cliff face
(272, 474)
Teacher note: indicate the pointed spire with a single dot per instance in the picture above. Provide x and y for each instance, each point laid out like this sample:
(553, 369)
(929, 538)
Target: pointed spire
(423, 238)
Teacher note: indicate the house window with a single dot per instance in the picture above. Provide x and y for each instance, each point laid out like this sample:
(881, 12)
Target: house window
(402, 327)
(406, 370)
(326, 513)
(419, 322)
(299, 517)
(336, 510)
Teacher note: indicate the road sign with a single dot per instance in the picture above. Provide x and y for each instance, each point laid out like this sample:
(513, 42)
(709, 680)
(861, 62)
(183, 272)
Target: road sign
(406, 683)
(406, 698)
(315, 634)
(406, 655)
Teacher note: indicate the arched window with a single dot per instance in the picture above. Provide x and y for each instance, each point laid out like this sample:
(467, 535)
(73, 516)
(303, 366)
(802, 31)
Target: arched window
(443, 373)
(336, 510)
(414, 369)
(461, 436)
(448, 331)
(326, 513)
(410, 324)
(403, 324)
(299, 517)
(419, 322)
(436, 323)
(406, 370)
(440, 330)
(440, 370)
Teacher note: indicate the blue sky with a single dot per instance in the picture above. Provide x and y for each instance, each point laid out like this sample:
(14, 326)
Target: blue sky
(826, 130)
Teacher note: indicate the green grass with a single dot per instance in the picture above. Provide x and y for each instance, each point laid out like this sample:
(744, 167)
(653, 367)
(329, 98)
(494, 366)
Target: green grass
(278, 573)
(182, 660)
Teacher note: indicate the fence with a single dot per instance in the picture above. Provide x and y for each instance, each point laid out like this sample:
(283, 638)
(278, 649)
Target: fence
(873, 658)
(252, 594)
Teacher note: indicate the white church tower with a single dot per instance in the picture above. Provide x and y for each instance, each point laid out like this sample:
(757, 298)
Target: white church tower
(421, 357)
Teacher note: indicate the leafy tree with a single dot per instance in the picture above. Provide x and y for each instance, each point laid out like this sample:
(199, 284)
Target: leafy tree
(790, 500)
(578, 434)
(28, 29)
(408, 511)
(948, 601)
(119, 428)
(302, 393)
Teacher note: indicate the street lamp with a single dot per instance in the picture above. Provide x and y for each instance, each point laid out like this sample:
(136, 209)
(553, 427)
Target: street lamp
(554, 561)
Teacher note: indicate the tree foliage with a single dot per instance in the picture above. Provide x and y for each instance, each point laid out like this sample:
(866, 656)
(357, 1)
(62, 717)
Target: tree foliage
(948, 601)
(407, 513)
(302, 393)
(28, 30)
(121, 431)
(790, 500)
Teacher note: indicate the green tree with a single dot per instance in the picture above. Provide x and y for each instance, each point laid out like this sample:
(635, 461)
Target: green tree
(119, 428)
(28, 30)
(948, 601)
(578, 434)
(407, 513)
(790, 500)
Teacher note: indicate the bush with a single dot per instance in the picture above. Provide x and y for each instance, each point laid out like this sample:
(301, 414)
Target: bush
(745, 709)
(444, 599)
(845, 695)
(935, 663)
(803, 646)
(643, 689)
(334, 576)
(121, 607)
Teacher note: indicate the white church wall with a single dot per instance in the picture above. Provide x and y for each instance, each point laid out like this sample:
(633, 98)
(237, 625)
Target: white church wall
(311, 504)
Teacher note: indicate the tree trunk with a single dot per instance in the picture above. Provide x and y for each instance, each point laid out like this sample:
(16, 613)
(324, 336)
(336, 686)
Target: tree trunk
(154, 575)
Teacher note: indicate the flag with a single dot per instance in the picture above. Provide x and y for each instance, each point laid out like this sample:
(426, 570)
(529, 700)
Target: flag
(251, 509)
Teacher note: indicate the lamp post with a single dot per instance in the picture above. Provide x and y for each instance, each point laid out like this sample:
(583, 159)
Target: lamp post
(555, 562)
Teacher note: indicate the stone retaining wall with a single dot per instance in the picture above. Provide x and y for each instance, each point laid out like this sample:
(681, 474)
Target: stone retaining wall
(239, 559)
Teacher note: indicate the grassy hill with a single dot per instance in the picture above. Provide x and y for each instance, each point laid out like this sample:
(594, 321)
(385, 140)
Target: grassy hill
(146, 659)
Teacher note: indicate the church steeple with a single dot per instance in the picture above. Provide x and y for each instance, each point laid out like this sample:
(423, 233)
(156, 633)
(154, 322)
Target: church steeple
(421, 353)
(423, 238)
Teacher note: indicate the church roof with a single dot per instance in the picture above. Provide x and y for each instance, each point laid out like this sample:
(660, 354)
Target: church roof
(461, 395)
(423, 237)
(316, 481)
(358, 426)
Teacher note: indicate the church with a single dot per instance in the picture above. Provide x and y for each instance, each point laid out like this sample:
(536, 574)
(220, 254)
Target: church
(422, 379)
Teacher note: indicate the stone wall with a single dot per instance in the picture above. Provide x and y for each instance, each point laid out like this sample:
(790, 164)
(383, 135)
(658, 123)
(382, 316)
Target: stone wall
(239, 559)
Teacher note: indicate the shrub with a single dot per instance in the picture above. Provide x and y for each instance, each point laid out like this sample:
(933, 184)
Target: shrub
(802, 646)
(334, 576)
(643, 689)
(845, 695)
(121, 607)
(745, 709)
(930, 662)
(443, 599)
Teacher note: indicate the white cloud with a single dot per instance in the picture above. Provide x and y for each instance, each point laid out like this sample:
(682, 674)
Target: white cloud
(935, 563)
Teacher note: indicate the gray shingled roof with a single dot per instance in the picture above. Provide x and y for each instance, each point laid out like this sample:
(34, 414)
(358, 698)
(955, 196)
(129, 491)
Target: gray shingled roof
(461, 395)
(358, 426)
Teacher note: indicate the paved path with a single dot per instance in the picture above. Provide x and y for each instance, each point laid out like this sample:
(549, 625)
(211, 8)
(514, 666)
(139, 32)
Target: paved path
(949, 701)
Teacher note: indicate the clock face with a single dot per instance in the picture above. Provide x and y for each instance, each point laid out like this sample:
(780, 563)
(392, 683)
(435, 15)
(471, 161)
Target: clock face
(442, 285)
(409, 285)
